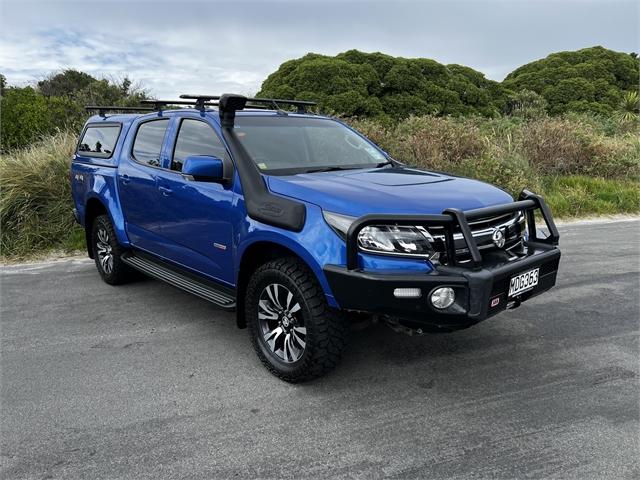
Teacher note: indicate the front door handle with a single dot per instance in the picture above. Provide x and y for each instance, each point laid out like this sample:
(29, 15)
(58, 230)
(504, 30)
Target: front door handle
(124, 179)
(165, 191)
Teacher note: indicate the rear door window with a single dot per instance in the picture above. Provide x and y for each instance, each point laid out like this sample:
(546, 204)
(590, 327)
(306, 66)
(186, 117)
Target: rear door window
(99, 140)
(147, 145)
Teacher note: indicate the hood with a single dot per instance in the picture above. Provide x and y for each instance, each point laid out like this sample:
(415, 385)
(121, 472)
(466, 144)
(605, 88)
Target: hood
(387, 190)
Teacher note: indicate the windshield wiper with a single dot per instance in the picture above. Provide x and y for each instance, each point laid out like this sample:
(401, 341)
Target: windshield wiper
(382, 164)
(330, 169)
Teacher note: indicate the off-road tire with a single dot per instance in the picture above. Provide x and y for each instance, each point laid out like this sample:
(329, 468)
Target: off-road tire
(119, 272)
(326, 329)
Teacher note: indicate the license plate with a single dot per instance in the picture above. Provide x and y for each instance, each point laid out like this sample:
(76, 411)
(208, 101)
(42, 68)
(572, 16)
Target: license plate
(523, 282)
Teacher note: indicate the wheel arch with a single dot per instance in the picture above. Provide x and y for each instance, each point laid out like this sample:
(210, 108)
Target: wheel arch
(94, 207)
(254, 255)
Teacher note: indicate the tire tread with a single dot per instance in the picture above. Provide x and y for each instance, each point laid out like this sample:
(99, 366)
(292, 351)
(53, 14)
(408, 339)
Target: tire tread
(331, 330)
(121, 272)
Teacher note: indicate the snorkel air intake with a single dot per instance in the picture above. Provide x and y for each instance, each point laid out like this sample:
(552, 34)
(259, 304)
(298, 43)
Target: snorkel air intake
(262, 205)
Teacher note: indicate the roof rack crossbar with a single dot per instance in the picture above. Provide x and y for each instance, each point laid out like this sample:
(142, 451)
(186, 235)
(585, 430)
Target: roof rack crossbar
(204, 97)
(158, 104)
(102, 110)
(257, 106)
(200, 99)
(273, 102)
(230, 103)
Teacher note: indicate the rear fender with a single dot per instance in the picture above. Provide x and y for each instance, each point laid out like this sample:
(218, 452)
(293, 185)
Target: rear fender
(102, 187)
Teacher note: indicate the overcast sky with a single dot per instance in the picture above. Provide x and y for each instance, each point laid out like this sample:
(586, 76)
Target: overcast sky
(206, 46)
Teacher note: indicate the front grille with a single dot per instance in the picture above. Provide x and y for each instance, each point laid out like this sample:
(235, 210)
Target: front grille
(512, 226)
(491, 222)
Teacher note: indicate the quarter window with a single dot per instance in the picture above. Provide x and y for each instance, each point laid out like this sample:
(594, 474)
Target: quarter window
(196, 138)
(148, 143)
(99, 140)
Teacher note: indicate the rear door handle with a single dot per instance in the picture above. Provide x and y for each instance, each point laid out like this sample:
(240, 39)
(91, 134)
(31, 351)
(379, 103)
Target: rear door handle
(124, 179)
(165, 191)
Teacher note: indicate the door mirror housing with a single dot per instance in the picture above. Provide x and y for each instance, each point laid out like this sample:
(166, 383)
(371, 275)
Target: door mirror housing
(204, 168)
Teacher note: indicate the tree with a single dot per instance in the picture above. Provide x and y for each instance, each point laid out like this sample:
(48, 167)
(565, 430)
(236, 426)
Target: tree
(3, 84)
(356, 83)
(592, 79)
(57, 103)
(64, 84)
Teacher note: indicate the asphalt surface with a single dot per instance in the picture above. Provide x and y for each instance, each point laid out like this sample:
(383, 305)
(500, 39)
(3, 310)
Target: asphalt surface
(145, 381)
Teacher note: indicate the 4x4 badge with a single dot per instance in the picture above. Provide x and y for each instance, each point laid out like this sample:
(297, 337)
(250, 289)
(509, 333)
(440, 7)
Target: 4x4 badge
(498, 238)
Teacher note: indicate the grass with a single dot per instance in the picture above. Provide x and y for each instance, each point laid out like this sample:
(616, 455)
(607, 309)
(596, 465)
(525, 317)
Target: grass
(577, 196)
(35, 202)
(581, 165)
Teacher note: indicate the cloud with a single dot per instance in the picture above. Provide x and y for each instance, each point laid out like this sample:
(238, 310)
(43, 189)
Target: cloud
(212, 46)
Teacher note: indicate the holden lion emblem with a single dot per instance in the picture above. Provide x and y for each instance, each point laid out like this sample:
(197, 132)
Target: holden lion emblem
(498, 238)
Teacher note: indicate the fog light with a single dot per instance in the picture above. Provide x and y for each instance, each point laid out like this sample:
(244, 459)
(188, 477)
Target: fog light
(407, 293)
(443, 297)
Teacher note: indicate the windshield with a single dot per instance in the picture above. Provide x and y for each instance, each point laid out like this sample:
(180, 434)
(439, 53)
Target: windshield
(302, 144)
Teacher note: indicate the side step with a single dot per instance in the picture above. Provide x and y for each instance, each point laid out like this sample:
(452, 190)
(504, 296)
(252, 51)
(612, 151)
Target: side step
(208, 290)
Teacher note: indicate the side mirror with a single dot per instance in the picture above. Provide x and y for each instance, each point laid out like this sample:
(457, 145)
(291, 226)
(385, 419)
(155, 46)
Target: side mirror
(204, 168)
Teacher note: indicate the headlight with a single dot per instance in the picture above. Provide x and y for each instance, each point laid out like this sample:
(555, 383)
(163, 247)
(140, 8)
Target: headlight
(386, 239)
(395, 239)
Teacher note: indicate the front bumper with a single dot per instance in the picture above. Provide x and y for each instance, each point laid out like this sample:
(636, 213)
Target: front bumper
(481, 284)
(479, 293)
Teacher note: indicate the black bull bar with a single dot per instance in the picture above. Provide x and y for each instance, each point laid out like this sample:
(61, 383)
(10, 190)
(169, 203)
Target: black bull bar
(453, 218)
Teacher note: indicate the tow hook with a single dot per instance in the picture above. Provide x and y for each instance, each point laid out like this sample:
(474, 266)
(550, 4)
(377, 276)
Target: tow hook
(515, 303)
(395, 325)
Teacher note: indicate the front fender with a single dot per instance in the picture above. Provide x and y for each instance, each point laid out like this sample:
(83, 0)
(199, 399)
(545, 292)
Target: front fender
(316, 245)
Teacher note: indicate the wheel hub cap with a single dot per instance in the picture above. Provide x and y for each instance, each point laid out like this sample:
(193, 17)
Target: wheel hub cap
(281, 324)
(105, 253)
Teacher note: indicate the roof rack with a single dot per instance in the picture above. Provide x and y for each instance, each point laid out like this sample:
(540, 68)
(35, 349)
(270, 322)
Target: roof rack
(255, 102)
(228, 104)
(158, 104)
(201, 100)
(102, 110)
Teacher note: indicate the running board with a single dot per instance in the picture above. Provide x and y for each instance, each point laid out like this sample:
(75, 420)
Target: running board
(184, 281)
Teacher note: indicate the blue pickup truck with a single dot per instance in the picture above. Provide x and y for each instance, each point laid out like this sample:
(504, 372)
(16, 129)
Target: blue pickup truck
(300, 224)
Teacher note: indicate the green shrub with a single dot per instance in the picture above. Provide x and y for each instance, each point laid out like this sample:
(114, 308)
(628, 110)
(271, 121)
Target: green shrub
(26, 116)
(508, 170)
(430, 142)
(582, 164)
(526, 104)
(571, 147)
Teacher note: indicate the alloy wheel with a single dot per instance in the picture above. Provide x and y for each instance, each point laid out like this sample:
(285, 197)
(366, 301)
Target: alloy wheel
(105, 253)
(281, 323)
